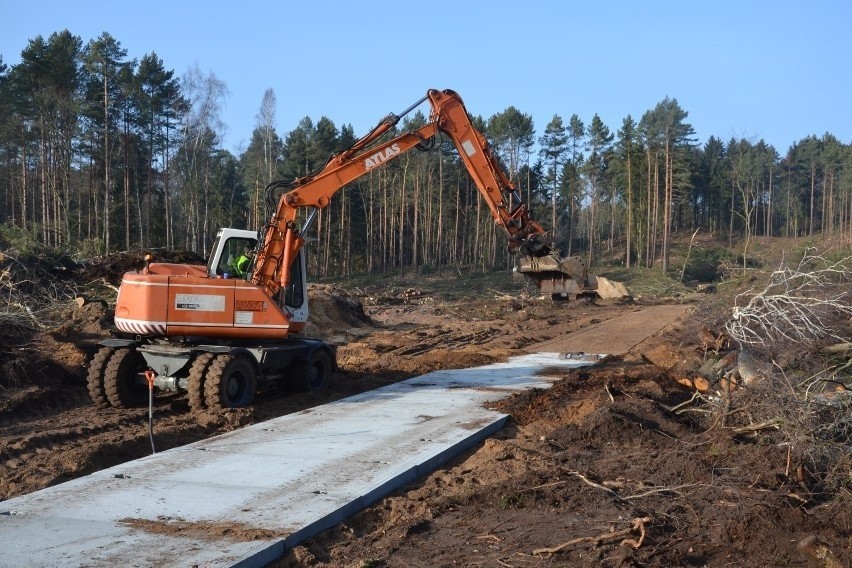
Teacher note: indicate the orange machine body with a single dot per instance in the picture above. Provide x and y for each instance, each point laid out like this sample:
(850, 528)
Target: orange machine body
(162, 303)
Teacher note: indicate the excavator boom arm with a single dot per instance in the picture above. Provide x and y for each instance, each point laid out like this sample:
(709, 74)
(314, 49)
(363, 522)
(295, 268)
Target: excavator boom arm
(282, 238)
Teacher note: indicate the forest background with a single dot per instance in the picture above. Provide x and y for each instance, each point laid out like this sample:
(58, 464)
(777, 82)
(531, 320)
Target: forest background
(103, 151)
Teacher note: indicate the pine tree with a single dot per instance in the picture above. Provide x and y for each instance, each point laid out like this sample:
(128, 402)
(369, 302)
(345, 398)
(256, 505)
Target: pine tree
(511, 132)
(572, 179)
(159, 99)
(104, 59)
(599, 140)
(627, 150)
(553, 148)
(42, 92)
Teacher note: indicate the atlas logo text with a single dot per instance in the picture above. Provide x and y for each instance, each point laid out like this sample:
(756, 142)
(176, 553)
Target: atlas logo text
(381, 157)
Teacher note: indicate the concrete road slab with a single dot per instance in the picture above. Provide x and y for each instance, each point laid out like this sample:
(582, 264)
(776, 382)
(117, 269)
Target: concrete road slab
(245, 497)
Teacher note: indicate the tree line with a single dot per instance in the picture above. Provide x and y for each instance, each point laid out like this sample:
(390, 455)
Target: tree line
(100, 152)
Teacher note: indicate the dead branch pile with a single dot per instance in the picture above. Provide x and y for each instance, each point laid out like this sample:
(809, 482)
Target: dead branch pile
(35, 291)
(112, 267)
(790, 380)
(394, 297)
(800, 305)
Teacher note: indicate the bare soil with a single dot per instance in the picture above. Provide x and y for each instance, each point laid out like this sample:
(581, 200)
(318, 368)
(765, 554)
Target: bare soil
(596, 471)
(596, 456)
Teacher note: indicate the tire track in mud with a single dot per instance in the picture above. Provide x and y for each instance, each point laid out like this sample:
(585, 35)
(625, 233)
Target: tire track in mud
(67, 410)
(457, 339)
(56, 438)
(38, 404)
(80, 441)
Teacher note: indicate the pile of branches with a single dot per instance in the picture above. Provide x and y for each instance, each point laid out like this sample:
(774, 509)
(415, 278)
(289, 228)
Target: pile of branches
(111, 268)
(795, 335)
(801, 305)
(35, 291)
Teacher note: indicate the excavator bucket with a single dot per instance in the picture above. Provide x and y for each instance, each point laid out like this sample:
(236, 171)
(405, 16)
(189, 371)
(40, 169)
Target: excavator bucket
(557, 276)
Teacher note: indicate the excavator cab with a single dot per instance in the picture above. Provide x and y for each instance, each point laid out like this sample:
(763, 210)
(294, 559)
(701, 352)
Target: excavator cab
(229, 245)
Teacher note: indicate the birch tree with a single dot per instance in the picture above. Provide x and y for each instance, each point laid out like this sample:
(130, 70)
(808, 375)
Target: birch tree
(200, 128)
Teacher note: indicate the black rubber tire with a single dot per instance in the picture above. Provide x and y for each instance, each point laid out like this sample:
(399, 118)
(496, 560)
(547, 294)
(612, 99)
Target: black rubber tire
(195, 381)
(313, 375)
(95, 377)
(230, 383)
(121, 379)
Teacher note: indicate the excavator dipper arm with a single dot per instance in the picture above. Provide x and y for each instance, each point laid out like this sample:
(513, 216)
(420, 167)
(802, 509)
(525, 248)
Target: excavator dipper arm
(282, 238)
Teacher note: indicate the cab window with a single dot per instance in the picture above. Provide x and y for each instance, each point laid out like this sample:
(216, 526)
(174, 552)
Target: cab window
(294, 296)
(234, 254)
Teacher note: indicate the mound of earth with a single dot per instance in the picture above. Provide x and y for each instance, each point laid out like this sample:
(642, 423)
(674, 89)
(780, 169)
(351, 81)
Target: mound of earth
(333, 311)
(55, 356)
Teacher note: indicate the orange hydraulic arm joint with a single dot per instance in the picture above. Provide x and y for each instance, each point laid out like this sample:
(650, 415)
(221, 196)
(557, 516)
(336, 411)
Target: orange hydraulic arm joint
(282, 239)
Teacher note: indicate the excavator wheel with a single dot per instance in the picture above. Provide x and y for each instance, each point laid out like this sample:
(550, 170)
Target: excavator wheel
(195, 386)
(230, 382)
(95, 378)
(313, 375)
(124, 382)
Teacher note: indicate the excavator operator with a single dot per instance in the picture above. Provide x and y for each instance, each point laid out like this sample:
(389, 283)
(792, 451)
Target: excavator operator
(242, 263)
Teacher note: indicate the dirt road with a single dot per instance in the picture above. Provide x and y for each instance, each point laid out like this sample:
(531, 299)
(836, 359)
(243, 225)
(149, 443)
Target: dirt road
(618, 335)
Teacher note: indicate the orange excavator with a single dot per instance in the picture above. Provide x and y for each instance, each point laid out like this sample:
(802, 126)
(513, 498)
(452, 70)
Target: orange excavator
(216, 331)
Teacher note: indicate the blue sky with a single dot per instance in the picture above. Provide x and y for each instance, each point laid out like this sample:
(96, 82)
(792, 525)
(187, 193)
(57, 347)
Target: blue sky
(778, 70)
